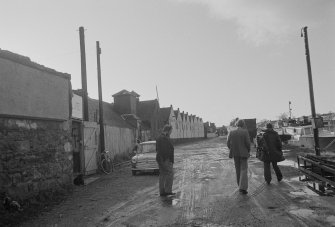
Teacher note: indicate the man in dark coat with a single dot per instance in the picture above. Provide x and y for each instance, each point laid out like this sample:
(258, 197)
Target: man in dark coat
(238, 143)
(165, 160)
(272, 153)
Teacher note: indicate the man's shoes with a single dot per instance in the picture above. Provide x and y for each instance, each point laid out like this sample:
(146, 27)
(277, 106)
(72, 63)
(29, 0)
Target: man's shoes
(244, 192)
(268, 182)
(163, 194)
(279, 179)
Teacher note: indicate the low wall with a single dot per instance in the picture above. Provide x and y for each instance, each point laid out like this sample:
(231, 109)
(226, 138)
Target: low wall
(323, 142)
(35, 156)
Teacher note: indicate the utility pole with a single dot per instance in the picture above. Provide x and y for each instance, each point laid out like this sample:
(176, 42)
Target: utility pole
(101, 111)
(311, 92)
(290, 109)
(83, 73)
(157, 94)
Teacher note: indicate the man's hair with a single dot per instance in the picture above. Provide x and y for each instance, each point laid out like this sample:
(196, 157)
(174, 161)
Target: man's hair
(269, 125)
(167, 128)
(240, 123)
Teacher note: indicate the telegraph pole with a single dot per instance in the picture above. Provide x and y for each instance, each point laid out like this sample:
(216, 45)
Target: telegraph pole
(83, 73)
(157, 94)
(101, 111)
(311, 92)
(290, 109)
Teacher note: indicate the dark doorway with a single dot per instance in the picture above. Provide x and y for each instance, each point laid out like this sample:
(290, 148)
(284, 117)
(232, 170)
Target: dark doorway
(77, 138)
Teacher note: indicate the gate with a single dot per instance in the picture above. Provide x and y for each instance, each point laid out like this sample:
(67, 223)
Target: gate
(91, 142)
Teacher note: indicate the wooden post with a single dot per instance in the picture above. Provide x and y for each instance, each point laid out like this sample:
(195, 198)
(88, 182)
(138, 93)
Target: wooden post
(311, 92)
(83, 73)
(101, 110)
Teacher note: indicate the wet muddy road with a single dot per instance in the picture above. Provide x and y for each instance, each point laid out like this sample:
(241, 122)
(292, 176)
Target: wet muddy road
(207, 195)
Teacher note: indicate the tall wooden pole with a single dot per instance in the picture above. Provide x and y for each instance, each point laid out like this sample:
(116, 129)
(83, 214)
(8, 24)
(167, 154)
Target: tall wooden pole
(289, 109)
(311, 92)
(83, 73)
(101, 110)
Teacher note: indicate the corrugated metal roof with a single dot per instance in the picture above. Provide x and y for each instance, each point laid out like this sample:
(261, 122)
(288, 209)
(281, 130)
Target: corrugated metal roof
(131, 119)
(125, 92)
(146, 109)
(110, 116)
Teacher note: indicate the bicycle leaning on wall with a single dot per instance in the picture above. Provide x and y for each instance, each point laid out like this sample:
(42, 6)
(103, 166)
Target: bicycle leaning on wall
(106, 162)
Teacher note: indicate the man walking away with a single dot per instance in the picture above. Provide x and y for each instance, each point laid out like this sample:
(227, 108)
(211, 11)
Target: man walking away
(165, 160)
(238, 143)
(272, 153)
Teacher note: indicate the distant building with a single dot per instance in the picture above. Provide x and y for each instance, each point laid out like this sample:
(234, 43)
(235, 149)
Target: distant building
(167, 116)
(148, 111)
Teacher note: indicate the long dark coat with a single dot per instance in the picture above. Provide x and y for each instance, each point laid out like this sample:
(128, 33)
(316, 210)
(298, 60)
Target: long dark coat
(271, 147)
(165, 149)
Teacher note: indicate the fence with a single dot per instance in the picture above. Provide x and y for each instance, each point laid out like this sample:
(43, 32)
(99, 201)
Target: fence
(118, 141)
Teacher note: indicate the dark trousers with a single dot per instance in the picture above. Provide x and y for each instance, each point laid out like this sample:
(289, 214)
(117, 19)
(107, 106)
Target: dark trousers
(267, 171)
(165, 177)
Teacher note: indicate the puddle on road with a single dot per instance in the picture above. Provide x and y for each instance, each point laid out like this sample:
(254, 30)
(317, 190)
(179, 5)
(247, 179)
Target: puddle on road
(303, 213)
(294, 178)
(175, 202)
(169, 201)
(288, 163)
(331, 220)
(304, 191)
(207, 178)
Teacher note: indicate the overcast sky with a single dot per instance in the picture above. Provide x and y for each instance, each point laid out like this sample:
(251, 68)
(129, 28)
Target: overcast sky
(217, 59)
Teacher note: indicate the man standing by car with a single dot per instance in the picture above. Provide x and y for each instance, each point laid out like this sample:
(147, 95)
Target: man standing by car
(165, 160)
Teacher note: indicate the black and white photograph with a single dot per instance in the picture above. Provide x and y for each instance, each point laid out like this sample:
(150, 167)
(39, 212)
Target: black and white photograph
(195, 113)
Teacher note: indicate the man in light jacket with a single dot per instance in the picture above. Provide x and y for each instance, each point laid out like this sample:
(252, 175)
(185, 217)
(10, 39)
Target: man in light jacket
(239, 145)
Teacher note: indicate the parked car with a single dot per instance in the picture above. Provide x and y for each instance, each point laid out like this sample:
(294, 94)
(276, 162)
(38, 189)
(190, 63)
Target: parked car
(145, 158)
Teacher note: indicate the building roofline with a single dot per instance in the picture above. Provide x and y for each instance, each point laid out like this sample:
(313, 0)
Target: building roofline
(23, 60)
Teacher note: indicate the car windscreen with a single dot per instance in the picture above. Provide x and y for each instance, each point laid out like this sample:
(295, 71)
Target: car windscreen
(148, 148)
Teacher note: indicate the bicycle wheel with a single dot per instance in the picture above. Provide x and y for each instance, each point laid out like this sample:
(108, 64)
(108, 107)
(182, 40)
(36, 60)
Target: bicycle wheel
(106, 166)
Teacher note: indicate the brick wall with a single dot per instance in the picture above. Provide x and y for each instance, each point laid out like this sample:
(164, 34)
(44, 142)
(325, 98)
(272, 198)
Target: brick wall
(35, 156)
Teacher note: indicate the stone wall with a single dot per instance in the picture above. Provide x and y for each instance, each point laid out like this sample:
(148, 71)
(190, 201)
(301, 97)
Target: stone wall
(35, 156)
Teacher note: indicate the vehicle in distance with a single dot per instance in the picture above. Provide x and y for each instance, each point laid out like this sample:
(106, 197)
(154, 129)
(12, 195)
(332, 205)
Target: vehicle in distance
(145, 158)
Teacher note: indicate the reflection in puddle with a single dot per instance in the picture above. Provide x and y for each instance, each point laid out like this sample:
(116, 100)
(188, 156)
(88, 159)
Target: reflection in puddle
(295, 179)
(288, 163)
(169, 201)
(303, 192)
(175, 202)
(303, 212)
(331, 219)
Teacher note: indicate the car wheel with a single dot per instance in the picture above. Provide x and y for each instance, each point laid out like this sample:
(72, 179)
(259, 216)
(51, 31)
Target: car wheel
(134, 172)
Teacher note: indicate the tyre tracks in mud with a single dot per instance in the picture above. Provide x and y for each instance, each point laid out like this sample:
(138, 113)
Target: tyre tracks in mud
(207, 195)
